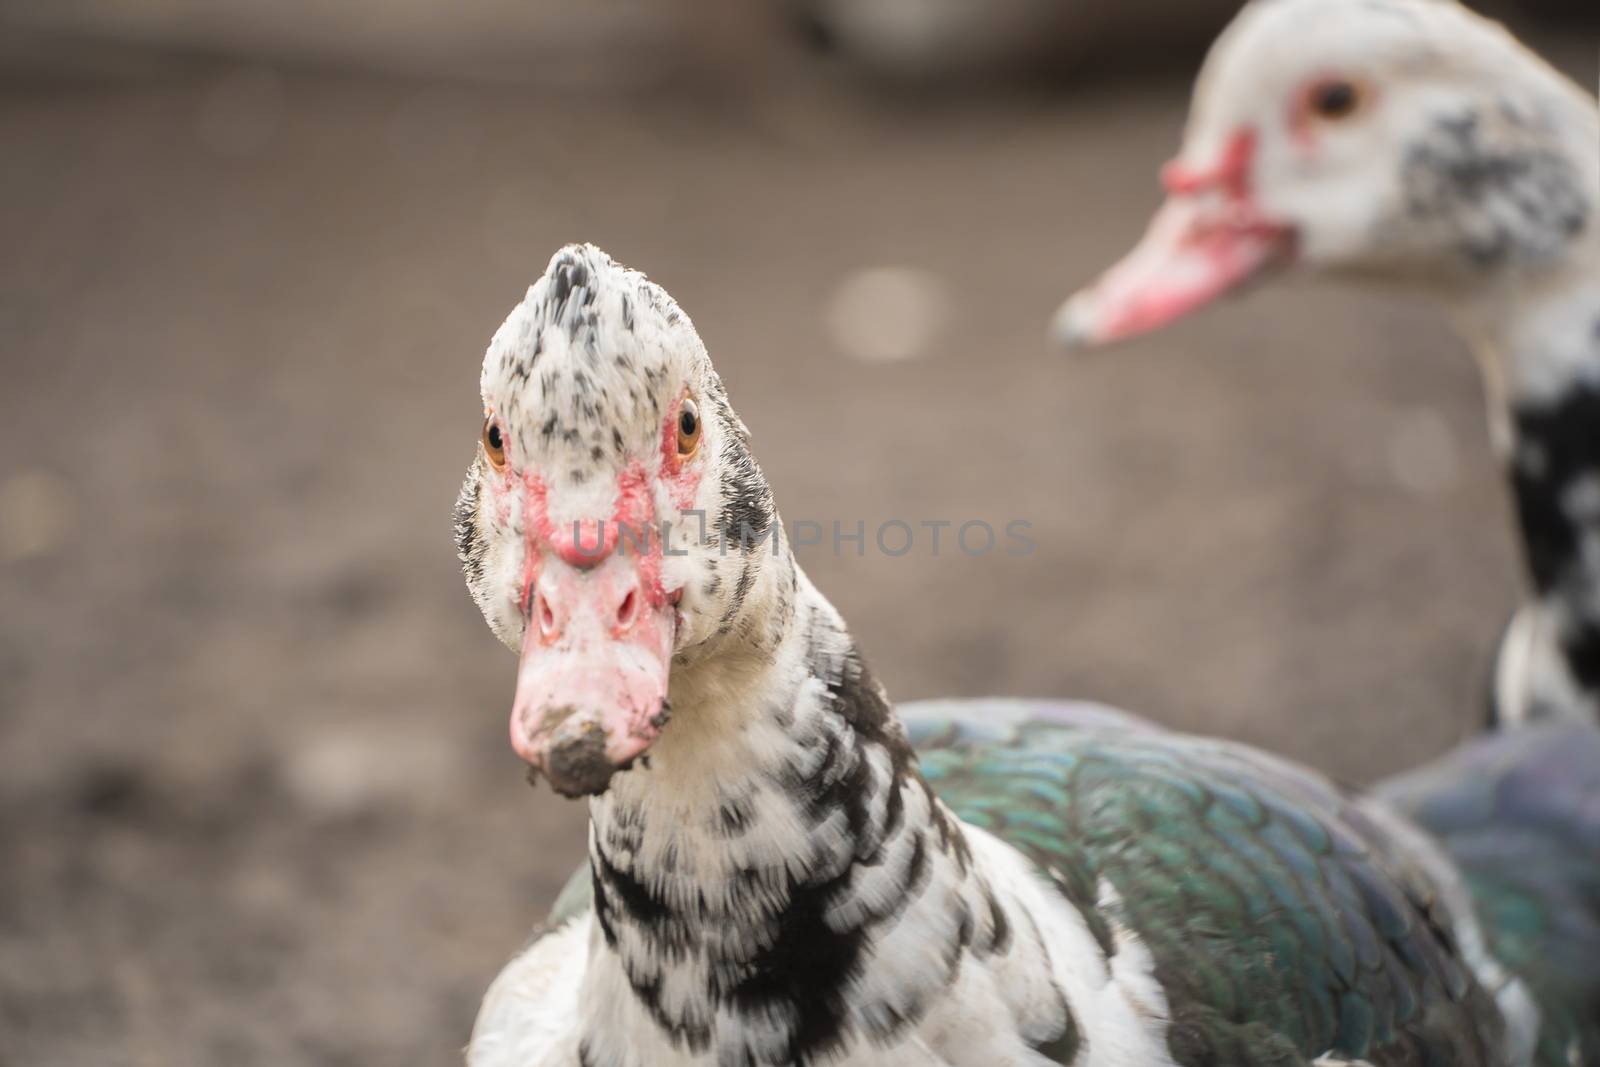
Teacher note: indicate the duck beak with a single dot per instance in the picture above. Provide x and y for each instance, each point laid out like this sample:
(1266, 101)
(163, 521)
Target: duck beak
(1197, 249)
(592, 685)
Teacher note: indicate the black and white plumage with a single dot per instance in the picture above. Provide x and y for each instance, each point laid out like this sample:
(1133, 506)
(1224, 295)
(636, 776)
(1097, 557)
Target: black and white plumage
(1413, 143)
(789, 872)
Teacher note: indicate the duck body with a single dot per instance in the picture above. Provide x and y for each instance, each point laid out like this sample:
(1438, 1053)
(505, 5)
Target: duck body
(1200, 902)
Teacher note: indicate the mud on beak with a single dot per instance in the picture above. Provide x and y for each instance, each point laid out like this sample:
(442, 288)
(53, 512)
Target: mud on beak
(592, 685)
(1197, 249)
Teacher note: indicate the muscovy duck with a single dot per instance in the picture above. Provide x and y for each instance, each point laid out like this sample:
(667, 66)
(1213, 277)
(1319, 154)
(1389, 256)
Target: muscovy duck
(784, 870)
(1413, 142)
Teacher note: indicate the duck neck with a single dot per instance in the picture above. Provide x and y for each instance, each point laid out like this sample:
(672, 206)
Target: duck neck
(777, 885)
(1544, 359)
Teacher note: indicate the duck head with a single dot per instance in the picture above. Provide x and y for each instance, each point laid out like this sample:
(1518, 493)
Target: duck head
(604, 519)
(1397, 139)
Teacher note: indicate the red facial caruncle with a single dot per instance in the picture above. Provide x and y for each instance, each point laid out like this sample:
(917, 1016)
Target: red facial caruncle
(1229, 174)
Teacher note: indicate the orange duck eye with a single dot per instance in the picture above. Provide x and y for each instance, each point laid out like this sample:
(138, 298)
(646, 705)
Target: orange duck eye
(688, 428)
(494, 444)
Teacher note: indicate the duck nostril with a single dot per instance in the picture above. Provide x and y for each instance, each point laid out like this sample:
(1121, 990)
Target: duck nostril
(547, 618)
(627, 610)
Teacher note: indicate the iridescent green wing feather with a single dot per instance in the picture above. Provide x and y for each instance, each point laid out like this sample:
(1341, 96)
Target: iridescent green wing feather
(1283, 923)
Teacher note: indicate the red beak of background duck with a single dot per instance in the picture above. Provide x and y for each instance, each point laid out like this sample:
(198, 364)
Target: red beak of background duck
(1196, 250)
(592, 685)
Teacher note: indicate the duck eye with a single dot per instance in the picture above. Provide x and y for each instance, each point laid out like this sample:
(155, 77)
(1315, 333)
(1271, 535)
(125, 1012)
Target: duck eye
(1335, 99)
(688, 428)
(494, 444)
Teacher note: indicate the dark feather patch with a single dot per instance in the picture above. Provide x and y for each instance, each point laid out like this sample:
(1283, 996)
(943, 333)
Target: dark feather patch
(1497, 182)
(1558, 447)
(571, 290)
(747, 511)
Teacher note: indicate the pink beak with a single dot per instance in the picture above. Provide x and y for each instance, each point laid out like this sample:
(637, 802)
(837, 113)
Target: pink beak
(592, 685)
(1193, 253)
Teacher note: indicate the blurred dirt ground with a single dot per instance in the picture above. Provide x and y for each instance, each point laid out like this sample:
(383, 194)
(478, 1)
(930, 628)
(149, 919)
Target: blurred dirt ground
(256, 805)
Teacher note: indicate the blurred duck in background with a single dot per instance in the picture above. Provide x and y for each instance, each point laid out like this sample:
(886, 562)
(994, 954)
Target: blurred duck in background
(1413, 143)
(784, 869)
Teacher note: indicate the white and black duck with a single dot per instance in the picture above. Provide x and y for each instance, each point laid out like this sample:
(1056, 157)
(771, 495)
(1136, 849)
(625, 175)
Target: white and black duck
(784, 870)
(1412, 142)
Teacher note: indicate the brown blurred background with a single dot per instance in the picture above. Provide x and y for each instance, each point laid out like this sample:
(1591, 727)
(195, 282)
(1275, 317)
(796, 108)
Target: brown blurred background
(256, 805)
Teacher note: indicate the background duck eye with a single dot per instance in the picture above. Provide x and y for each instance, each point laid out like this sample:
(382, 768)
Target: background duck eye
(1336, 98)
(494, 444)
(688, 428)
